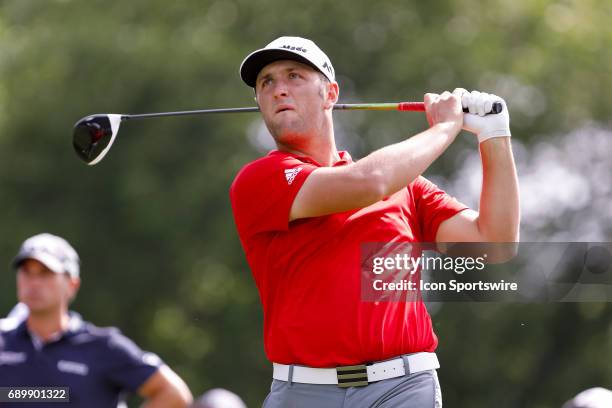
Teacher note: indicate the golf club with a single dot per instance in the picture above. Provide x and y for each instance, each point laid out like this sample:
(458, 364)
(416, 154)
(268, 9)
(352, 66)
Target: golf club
(94, 135)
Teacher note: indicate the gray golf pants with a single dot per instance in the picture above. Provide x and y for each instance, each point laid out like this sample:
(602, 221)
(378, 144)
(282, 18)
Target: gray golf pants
(418, 390)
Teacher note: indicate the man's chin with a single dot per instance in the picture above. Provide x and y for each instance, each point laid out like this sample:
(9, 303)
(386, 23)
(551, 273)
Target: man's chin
(288, 132)
(291, 138)
(37, 306)
(286, 123)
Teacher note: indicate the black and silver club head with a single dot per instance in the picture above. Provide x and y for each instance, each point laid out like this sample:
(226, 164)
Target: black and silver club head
(94, 135)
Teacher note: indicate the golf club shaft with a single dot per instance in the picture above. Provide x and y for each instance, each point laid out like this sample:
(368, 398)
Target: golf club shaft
(392, 106)
(400, 106)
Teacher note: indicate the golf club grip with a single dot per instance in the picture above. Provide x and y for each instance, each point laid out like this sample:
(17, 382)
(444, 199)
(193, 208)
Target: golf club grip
(420, 107)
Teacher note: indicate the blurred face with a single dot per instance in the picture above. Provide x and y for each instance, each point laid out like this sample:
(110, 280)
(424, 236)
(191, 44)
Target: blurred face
(293, 98)
(43, 290)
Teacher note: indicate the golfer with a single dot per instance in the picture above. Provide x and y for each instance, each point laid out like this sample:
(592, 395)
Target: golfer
(303, 210)
(53, 347)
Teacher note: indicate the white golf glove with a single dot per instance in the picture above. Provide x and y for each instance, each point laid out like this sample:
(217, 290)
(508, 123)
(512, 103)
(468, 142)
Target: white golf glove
(483, 125)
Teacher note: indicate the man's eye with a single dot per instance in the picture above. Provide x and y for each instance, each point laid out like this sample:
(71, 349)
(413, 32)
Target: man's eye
(293, 75)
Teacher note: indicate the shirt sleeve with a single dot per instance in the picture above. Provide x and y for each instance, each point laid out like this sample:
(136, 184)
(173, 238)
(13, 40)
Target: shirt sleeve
(263, 192)
(433, 207)
(128, 367)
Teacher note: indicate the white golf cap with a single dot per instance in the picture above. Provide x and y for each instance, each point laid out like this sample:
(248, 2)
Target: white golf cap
(292, 48)
(52, 251)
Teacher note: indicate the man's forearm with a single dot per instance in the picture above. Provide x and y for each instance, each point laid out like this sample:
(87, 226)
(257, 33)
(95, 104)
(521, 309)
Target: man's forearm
(398, 164)
(165, 389)
(499, 214)
(330, 190)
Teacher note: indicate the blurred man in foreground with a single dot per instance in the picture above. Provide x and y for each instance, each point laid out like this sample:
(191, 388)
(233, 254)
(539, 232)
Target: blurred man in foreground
(53, 347)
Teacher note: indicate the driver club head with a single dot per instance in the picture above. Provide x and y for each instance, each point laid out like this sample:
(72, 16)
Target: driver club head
(94, 135)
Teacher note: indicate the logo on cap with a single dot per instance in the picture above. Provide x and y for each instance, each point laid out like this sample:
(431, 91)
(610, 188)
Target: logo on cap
(328, 67)
(294, 48)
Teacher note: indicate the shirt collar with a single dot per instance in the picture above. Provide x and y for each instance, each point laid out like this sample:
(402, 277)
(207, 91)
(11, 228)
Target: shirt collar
(345, 158)
(75, 325)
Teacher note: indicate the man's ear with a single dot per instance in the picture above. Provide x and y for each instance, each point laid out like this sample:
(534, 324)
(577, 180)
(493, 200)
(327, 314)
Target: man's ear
(333, 92)
(74, 286)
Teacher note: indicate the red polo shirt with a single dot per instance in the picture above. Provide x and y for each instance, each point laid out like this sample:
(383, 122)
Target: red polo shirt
(308, 270)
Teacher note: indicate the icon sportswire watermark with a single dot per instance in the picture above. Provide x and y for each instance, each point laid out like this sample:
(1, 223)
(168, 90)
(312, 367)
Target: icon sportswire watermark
(491, 272)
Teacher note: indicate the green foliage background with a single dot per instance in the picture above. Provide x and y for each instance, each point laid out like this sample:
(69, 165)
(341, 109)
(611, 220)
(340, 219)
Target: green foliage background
(153, 224)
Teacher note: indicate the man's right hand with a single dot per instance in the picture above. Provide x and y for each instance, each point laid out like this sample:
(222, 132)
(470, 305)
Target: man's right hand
(444, 109)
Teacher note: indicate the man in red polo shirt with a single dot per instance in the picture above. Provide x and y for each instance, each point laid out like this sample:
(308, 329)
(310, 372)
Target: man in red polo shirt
(303, 211)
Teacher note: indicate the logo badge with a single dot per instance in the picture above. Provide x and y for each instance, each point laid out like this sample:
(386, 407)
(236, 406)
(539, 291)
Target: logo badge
(12, 357)
(72, 367)
(291, 173)
(294, 48)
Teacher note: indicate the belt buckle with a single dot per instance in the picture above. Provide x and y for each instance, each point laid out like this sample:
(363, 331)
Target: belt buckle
(352, 376)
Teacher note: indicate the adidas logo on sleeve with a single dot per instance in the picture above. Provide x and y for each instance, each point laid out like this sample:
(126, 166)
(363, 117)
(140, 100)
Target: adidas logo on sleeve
(291, 173)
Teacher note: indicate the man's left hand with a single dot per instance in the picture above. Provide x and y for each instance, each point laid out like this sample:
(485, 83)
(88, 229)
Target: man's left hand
(479, 121)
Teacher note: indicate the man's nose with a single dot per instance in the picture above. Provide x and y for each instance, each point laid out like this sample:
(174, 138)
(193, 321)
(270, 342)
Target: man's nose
(280, 89)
